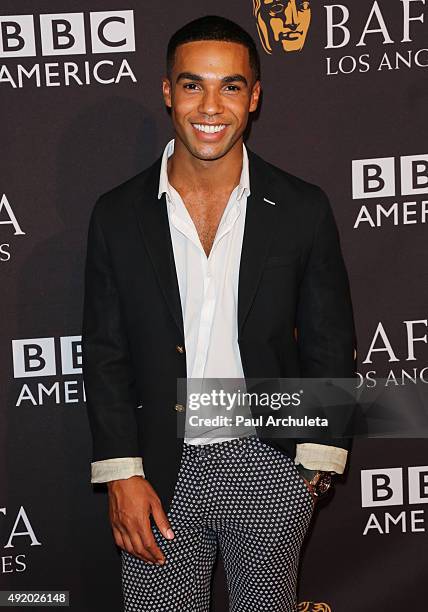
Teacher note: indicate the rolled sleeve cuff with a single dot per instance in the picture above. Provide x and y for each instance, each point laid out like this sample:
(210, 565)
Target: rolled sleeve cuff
(321, 457)
(116, 469)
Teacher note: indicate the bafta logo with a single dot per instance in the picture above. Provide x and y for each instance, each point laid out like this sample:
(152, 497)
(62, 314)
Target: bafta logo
(282, 25)
(311, 606)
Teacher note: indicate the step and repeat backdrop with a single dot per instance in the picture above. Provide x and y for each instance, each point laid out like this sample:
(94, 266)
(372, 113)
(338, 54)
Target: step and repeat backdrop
(343, 106)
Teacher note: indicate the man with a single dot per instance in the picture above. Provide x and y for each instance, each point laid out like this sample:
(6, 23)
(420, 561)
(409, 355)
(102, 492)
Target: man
(211, 263)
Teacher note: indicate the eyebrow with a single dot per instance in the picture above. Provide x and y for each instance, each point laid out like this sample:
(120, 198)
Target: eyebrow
(227, 79)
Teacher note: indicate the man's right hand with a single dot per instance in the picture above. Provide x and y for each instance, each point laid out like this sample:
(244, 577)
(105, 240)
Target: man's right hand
(131, 501)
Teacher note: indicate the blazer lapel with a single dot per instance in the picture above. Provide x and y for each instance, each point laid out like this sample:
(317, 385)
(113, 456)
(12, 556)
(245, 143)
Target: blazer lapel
(260, 222)
(153, 221)
(259, 227)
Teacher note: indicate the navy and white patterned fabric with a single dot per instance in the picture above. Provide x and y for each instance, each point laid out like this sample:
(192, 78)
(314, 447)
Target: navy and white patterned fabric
(243, 498)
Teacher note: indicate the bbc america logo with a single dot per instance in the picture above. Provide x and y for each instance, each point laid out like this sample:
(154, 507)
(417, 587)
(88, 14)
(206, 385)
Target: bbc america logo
(37, 357)
(66, 34)
(393, 487)
(385, 487)
(388, 177)
(47, 365)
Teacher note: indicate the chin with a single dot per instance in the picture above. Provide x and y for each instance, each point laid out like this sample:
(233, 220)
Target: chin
(211, 154)
(292, 45)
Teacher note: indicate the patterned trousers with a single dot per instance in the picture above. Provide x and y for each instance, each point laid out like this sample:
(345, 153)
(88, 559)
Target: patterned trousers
(245, 498)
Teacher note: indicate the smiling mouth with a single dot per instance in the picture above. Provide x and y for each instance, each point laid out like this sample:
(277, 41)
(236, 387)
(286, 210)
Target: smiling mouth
(206, 128)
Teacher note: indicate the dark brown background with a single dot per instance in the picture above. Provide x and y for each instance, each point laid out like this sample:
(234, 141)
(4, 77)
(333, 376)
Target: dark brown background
(63, 146)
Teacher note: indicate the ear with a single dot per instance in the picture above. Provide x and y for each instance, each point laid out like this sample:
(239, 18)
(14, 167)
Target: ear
(167, 91)
(255, 94)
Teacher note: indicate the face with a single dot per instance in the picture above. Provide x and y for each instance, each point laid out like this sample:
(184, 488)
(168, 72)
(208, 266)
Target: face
(211, 88)
(282, 22)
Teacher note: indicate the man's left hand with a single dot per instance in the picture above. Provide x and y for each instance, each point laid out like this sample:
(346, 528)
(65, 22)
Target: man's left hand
(308, 484)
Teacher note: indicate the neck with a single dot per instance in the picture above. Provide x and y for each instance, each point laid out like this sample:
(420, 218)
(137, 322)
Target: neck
(189, 174)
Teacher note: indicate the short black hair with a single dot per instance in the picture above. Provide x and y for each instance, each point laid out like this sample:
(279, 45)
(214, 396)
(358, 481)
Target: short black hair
(213, 27)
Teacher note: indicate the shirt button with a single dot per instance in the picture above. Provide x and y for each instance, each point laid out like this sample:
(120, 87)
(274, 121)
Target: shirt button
(179, 348)
(179, 408)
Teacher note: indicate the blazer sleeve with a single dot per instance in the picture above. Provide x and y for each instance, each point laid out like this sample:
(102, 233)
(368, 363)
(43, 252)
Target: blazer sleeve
(325, 325)
(107, 369)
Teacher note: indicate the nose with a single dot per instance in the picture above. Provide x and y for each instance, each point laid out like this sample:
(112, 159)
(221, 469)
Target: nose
(210, 103)
(292, 12)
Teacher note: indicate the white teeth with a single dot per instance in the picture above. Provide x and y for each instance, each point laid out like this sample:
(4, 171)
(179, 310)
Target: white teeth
(209, 129)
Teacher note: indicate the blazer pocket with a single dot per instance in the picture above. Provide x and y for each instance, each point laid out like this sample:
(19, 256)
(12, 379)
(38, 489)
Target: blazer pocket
(281, 260)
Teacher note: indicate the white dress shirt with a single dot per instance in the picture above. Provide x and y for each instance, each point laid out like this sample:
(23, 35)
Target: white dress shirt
(209, 294)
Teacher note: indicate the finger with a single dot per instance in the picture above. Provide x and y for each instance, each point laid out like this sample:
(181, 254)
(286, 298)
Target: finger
(309, 487)
(140, 546)
(149, 541)
(135, 548)
(118, 537)
(162, 521)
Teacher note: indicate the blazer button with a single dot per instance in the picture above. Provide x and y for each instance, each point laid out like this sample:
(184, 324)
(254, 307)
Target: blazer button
(179, 348)
(179, 408)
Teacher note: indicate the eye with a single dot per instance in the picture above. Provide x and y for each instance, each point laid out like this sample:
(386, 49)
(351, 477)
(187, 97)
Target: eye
(277, 8)
(191, 85)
